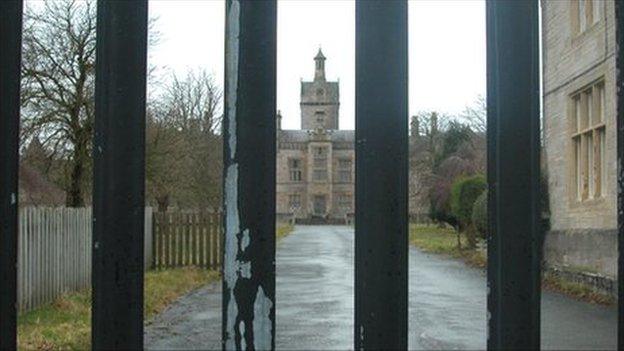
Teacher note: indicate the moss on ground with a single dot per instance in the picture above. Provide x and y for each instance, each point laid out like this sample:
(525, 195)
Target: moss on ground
(575, 290)
(443, 240)
(283, 229)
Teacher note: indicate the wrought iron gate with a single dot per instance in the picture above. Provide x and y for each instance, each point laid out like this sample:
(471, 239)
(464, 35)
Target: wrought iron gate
(249, 130)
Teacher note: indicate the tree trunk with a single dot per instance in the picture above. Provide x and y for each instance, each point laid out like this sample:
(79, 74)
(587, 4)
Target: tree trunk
(163, 203)
(75, 197)
(471, 237)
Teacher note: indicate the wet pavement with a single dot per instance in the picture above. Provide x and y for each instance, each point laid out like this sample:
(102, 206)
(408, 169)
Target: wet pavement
(315, 304)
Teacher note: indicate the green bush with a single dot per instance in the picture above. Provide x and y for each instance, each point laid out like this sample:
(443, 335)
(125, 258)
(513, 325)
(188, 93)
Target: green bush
(464, 193)
(479, 214)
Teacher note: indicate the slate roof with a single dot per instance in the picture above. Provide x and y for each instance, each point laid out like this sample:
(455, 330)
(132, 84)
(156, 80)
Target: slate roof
(302, 136)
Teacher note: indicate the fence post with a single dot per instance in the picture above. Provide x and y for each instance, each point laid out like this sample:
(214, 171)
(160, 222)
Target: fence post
(513, 175)
(187, 239)
(381, 99)
(119, 175)
(150, 244)
(249, 172)
(213, 236)
(10, 60)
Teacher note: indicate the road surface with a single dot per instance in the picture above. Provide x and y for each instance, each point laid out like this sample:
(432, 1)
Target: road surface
(315, 304)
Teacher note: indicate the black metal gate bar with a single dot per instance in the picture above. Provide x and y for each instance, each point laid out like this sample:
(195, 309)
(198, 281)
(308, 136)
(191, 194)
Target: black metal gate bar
(119, 175)
(619, 58)
(513, 175)
(249, 173)
(10, 59)
(381, 241)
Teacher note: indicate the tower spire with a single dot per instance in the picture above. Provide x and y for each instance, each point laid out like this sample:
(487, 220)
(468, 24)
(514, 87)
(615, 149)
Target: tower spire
(319, 71)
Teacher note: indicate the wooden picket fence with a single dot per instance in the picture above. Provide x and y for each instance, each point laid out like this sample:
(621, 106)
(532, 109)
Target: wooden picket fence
(187, 239)
(54, 252)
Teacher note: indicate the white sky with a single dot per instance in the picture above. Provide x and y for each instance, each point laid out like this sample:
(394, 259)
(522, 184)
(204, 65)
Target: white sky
(446, 48)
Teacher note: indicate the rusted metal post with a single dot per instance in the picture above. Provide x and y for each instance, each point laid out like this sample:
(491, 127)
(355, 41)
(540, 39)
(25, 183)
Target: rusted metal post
(119, 175)
(513, 175)
(10, 60)
(619, 59)
(249, 172)
(381, 115)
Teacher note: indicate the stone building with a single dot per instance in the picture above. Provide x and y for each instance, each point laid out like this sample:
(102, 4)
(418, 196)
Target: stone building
(315, 165)
(578, 39)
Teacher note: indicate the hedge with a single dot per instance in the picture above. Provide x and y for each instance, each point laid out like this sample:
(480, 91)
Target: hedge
(479, 214)
(464, 193)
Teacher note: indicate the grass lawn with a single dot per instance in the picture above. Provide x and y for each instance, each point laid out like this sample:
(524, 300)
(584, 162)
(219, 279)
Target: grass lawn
(438, 240)
(66, 323)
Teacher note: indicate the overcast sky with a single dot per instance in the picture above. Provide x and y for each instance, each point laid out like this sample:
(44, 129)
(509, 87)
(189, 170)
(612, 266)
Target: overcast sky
(446, 48)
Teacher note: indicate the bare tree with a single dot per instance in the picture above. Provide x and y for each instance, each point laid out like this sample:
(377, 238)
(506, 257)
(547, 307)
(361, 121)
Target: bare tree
(58, 85)
(193, 101)
(475, 115)
(184, 143)
(58, 73)
(425, 143)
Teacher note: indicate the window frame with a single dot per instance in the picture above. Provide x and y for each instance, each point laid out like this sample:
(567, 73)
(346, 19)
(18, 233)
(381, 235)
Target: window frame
(584, 15)
(294, 201)
(295, 169)
(345, 167)
(345, 202)
(588, 143)
(320, 165)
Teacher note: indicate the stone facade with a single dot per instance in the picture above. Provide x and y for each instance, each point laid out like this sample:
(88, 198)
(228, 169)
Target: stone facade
(316, 165)
(579, 134)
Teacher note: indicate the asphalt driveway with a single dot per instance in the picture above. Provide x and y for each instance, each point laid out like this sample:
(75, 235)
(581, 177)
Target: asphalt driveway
(315, 304)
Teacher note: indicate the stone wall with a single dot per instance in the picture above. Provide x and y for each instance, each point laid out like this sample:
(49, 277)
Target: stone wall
(582, 250)
(582, 233)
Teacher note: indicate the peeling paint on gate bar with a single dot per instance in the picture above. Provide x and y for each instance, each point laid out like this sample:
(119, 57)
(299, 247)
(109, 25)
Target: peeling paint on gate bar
(232, 221)
(247, 308)
(232, 224)
(262, 320)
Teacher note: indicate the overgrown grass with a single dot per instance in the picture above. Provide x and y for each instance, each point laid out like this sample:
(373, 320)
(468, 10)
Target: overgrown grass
(283, 229)
(66, 323)
(443, 240)
(575, 290)
(163, 287)
(62, 325)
